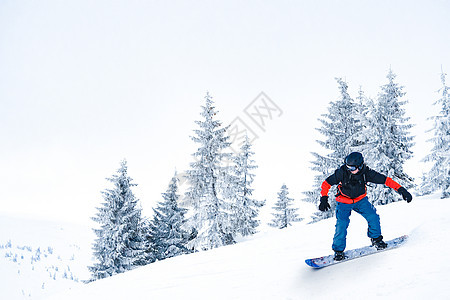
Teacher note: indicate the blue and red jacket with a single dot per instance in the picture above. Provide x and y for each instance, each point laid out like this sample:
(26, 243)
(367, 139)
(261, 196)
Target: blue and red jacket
(352, 187)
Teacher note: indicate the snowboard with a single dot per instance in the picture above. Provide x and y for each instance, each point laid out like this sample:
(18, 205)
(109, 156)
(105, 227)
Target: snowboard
(326, 261)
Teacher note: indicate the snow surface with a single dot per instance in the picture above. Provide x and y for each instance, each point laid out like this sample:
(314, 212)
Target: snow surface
(269, 265)
(38, 258)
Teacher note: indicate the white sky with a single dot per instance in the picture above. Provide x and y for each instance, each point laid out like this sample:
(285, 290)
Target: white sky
(84, 84)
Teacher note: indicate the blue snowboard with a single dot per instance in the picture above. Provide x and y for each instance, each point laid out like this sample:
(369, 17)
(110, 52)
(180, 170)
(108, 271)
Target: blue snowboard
(326, 261)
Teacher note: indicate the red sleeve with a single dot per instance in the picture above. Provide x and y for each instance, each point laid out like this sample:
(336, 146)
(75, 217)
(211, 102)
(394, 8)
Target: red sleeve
(392, 184)
(325, 188)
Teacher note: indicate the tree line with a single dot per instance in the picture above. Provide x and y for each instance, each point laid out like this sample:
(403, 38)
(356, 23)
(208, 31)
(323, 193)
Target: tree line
(217, 207)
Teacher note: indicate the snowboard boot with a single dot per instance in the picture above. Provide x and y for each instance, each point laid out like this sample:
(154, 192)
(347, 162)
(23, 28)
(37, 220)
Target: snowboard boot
(339, 255)
(379, 243)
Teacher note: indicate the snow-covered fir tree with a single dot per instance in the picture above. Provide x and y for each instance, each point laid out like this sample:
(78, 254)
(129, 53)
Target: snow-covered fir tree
(438, 178)
(362, 110)
(167, 234)
(210, 214)
(341, 128)
(245, 209)
(388, 143)
(285, 215)
(150, 251)
(120, 245)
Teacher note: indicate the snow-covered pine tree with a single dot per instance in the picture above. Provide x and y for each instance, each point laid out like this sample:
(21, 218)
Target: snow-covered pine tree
(167, 234)
(340, 129)
(245, 209)
(438, 178)
(362, 109)
(119, 246)
(388, 142)
(285, 215)
(210, 212)
(150, 252)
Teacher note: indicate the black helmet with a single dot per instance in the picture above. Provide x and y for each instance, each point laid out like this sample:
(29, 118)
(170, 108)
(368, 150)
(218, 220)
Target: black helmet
(354, 161)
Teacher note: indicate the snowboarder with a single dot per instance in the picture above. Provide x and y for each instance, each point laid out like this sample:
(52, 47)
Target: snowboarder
(351, 179)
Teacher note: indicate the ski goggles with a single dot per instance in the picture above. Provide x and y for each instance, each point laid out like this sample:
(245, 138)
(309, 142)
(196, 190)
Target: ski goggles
(352, 168)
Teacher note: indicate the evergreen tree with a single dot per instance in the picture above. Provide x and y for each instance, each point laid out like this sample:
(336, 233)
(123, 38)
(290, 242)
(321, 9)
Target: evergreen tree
(284, 215)
(149, 246)
(341, 131)
(438, 178)
(362, 115)
(245, 209)
(119, 246)
(388, 142)
(168, 238)
(210, 212)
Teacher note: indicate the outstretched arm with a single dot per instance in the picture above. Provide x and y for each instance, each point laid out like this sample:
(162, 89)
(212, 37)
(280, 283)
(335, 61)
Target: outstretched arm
(376, 177)
(401, 190)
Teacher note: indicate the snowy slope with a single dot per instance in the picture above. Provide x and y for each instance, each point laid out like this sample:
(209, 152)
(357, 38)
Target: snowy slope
(40, 257)
(271, 264)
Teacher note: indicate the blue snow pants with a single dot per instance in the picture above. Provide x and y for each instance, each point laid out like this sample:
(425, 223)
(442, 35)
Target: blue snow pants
(343, 211)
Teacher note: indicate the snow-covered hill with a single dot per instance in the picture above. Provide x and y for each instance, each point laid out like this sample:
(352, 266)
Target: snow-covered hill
(269, 265)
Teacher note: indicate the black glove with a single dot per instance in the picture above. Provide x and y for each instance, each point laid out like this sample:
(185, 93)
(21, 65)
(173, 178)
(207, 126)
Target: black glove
(324, 205)
(405, 194)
